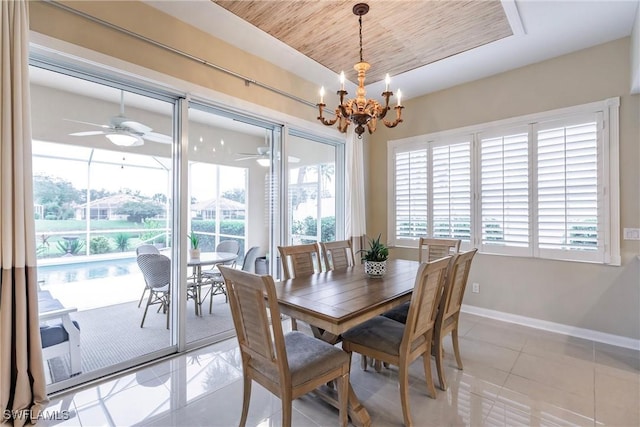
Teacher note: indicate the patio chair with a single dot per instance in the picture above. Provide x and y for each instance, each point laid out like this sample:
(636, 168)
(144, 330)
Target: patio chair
(59, 334)
(213, 277)
(302, 262)
(290, 365)
(338, 254)
(392, 342)
(217, 280)
(145, 249)
(156, 269)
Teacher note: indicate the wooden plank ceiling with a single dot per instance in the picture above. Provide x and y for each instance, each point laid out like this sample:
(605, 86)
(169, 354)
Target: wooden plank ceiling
(398, 35)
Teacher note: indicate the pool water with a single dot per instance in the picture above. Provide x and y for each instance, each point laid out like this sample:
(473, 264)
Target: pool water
(75, 272)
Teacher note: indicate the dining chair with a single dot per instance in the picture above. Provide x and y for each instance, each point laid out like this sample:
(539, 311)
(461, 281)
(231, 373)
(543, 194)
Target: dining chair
(337, 254)
(218, 281)
(145, 249)
(398, 344)
(156, 269)
(301, 258)
(429, 249)
(436, 248)
(449, 310)
(290, 365)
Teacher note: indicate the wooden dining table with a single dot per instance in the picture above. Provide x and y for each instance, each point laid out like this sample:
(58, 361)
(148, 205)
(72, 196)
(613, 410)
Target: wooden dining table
(334, 301)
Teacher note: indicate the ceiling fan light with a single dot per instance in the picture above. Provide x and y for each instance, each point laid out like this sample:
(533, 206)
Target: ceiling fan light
(263, 162)
(123, 139)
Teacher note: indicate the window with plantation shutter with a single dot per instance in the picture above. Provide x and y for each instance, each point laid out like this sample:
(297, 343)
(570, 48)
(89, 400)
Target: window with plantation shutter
(544, 185)
(504, 191)
(451, 191)
(410, 187)
(568, 188)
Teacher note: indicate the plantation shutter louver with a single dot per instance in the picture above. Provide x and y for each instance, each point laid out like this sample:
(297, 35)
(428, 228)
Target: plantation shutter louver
(411, 207)
(451, 191)
(568, 189)
(504, 192)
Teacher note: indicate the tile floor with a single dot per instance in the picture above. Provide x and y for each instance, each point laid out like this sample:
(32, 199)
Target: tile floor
(513, 376)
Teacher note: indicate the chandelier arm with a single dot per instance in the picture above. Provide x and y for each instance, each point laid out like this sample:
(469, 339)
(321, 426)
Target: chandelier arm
(398, 119)
(323, 120)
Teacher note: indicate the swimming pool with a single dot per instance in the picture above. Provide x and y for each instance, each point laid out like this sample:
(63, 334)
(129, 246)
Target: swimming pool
(75, 272)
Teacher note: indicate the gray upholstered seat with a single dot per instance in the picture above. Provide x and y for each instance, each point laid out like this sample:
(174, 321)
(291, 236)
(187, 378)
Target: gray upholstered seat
(307, 357)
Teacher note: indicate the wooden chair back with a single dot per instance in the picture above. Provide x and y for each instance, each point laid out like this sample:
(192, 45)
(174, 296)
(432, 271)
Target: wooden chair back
(337, 254)
(425, 298)
(456, 283)
(253, 303)
(436, 248)
(298, 260)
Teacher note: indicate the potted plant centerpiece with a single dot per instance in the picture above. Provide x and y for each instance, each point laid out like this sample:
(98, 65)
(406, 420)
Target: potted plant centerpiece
(375, 258)
(194, 252)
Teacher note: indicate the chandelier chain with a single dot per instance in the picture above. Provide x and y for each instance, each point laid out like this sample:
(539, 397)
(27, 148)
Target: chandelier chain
(360, 21)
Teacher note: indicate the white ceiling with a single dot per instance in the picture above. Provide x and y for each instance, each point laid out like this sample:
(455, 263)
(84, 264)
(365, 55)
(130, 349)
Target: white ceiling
(548, 28)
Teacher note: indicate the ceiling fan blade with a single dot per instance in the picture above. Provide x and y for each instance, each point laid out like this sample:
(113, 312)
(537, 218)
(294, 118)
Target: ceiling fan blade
(136, 126)
(250, 157)
(157, 137)
(88, 133)
(88, 123)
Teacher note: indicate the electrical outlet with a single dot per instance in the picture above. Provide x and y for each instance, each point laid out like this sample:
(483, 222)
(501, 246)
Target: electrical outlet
(476, 288)
(632, 234)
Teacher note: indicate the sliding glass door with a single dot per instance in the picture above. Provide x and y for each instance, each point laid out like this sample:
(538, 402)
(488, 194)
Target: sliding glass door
(229, 165)
(102, 174)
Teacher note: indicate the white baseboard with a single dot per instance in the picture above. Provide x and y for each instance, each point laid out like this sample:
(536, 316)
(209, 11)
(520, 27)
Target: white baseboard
(558, 328)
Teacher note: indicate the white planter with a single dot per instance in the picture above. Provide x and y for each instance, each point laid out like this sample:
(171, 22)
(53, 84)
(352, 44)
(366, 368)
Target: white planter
(194, 253)
(375, 268)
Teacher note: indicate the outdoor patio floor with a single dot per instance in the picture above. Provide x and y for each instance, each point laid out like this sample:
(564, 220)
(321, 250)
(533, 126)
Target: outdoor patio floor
(109, 319)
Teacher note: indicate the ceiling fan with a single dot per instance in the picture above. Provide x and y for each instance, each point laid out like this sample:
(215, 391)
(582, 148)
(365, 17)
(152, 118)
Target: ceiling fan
(124, 132)
(262, 156)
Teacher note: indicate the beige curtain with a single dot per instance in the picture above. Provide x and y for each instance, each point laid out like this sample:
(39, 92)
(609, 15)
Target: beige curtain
(22, 381)
(356, 225)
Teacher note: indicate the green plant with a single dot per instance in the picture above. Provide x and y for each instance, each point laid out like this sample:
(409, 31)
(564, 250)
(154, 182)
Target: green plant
(99, 245)
(377, 251)
(122, 241)
(193, 238)
(72, 247)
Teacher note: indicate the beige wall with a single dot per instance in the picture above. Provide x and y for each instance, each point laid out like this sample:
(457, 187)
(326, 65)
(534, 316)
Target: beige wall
(596, 297)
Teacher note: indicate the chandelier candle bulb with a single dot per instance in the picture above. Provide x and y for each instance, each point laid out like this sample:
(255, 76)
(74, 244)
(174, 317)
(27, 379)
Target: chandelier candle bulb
(322, 95)
(399, 98)
(387, 80)
(341, 80)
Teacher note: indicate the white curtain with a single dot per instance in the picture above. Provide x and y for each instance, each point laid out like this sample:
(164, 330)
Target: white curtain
(22, 381)
(356, 224)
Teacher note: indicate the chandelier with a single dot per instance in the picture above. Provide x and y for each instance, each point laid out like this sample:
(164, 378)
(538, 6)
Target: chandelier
(360, 110)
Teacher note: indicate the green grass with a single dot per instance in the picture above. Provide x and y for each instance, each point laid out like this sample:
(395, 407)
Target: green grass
(44, 225)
